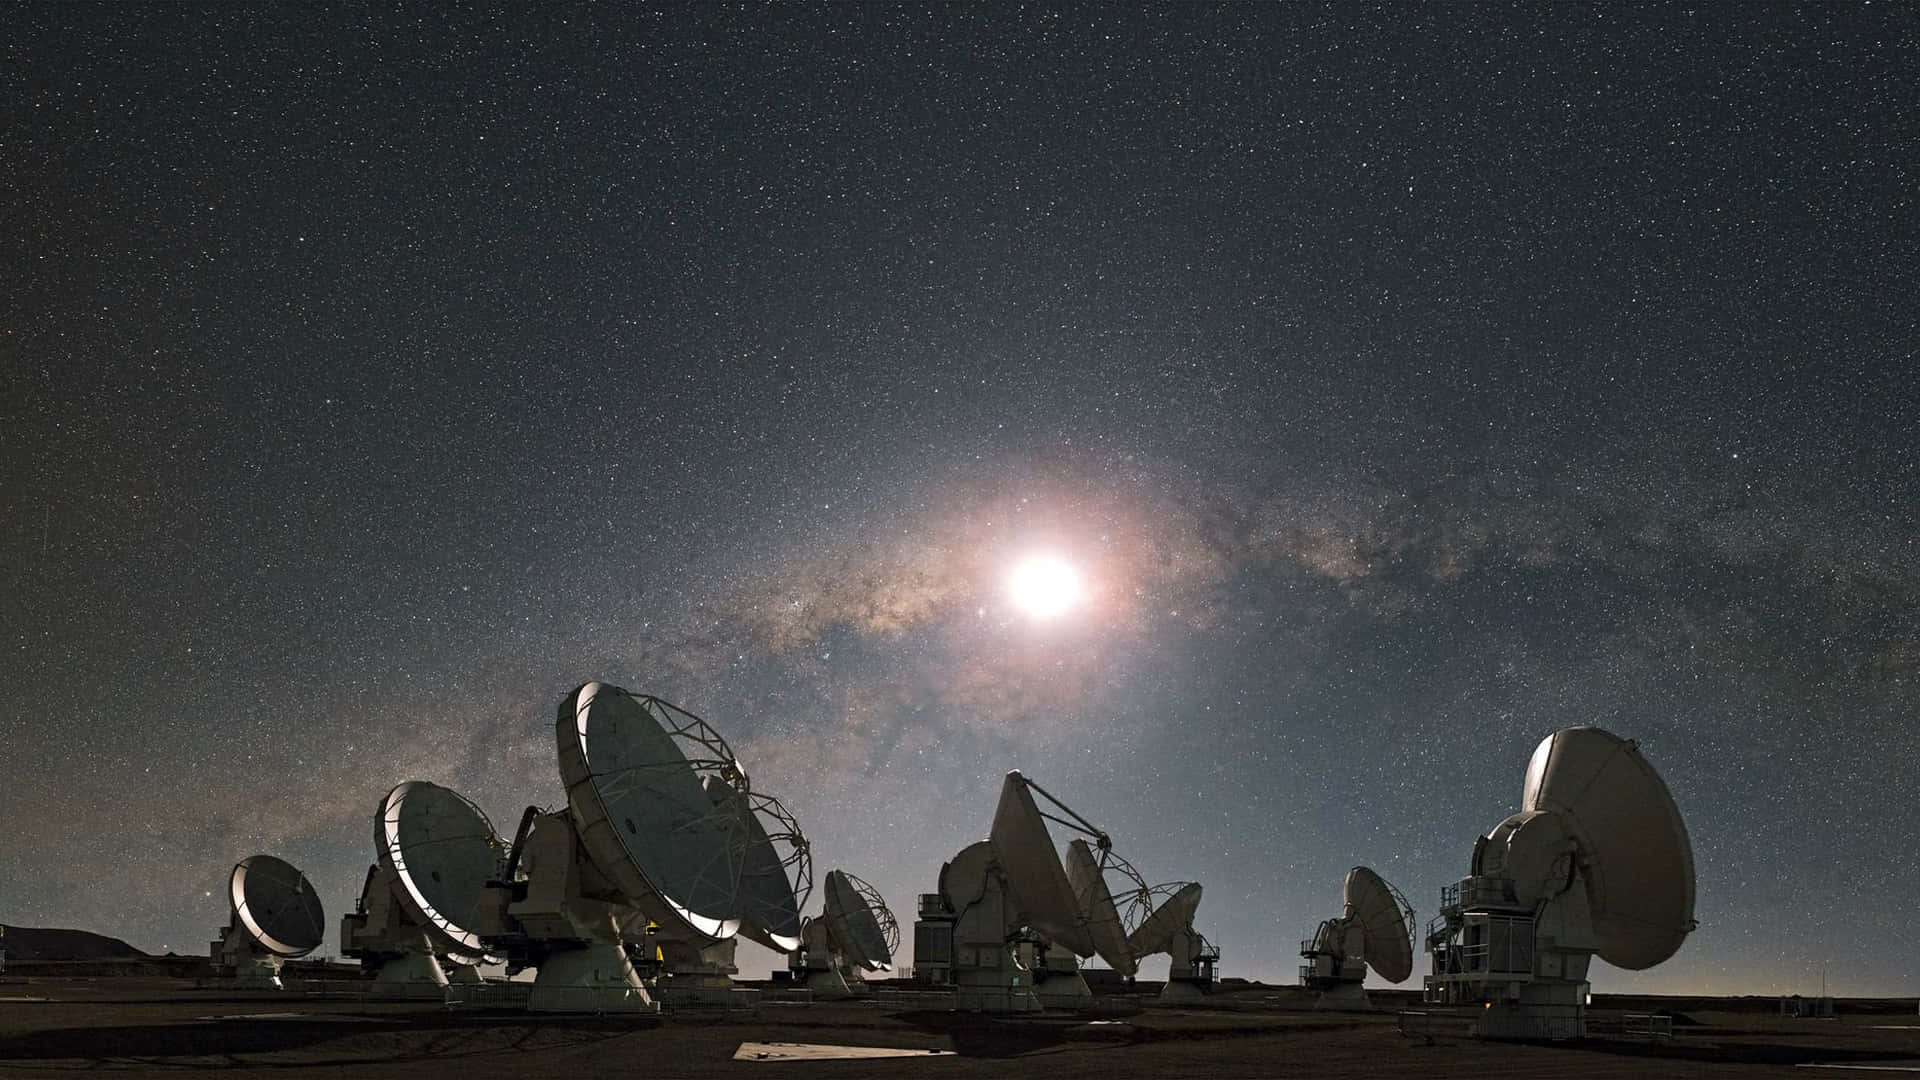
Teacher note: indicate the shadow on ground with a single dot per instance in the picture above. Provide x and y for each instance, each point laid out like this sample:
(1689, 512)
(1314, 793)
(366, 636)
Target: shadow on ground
(1738, 1053)
(356, 1040)
(983, 1036)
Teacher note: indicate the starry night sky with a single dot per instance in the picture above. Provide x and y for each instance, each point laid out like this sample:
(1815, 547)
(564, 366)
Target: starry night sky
(1404, 384)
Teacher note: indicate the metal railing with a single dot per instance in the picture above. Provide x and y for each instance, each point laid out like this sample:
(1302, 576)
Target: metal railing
(492, 994)
(1430, 1024)
(1650, 1025)
(933, 999)
(1485, 944)
(1557, 1028)
(597, 1000)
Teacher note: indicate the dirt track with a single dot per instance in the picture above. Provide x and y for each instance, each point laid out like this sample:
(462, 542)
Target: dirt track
(165, 1027)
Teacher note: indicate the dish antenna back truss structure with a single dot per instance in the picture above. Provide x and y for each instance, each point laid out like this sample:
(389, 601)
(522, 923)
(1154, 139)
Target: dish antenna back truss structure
(663, 849)
(854, 933)
(1007, 926)
(1375, 929)
(275, 917)
(776, 877)
(1116, 918)
(427, 898)
(1596, 862)
(1110, 917)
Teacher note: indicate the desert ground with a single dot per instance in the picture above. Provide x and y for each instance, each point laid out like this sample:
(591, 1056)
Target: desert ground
(63, 1026)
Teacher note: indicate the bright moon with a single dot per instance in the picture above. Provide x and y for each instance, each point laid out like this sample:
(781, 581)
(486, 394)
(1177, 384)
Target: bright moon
(1044, 586)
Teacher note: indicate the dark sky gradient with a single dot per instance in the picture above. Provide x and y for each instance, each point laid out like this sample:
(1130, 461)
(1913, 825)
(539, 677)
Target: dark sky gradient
(1406, 384)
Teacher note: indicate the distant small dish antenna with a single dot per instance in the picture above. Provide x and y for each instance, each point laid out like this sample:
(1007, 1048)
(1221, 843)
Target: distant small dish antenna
(1597, 861)
(427, 898)
(1375, 929)
(1176, 904)
(860, 922)
(854, 934)
(276, 917)
(1193, 961)
(1008, 925)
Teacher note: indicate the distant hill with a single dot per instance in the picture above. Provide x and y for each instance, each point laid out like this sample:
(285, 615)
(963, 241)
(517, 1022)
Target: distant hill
(25, 944)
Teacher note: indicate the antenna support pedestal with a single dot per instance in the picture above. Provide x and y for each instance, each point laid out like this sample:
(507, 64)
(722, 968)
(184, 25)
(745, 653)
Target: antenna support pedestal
(595, 978)
(827, 974)
(1525, 968)
(410, 976)
(386, 941)
(253, 968)
(1057, 981)
(574, 938)
(830, 984)
(1190, 974)
(985, 969)
(697, 975)
(1336, 968)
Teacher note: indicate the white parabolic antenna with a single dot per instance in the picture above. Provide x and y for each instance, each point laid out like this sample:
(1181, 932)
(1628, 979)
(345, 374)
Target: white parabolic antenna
(854, 932)
(1639, 861)
(773, 886)
(859, 922)
(1032, 867)
(443, 851)
(1383, 918)
(1008, 926)
(1374, 930)
(643, 812)
(1596, 863)
(1174, 914)
(277, 906)
(1095, 899)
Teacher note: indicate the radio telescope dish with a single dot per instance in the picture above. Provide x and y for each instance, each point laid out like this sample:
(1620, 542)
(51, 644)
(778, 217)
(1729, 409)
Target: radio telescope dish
(1032, 866)
(1095, 900)
(442, 850)
(1386, 919)
(1007, 929)
(1597, 862)
(642, 811)
(1192, 959)
(1374, 929)
(1174, 914)
(854, 932)
(275, 916)
(860, 922)
(277, 906)
(1639, 866)
(773, 886)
